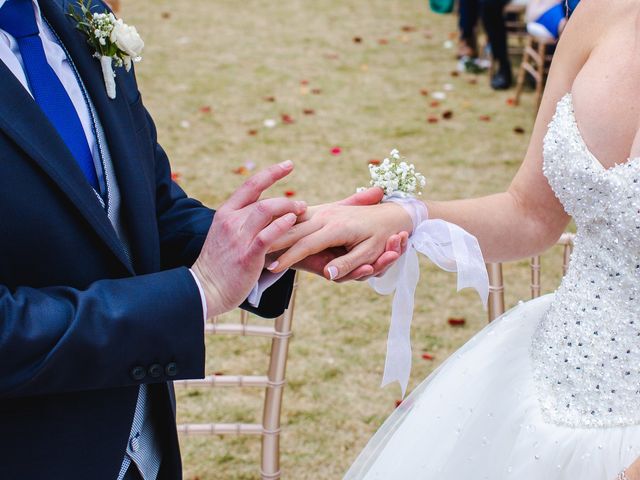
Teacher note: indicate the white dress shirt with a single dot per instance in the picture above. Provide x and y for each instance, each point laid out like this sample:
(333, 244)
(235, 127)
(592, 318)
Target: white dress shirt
(10, 56)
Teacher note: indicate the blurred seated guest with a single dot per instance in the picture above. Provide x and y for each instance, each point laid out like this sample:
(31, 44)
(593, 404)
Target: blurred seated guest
(492, 14)
(546, 18)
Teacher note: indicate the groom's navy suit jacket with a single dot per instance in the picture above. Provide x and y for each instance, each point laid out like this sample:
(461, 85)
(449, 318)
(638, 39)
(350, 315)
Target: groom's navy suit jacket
(80, 321)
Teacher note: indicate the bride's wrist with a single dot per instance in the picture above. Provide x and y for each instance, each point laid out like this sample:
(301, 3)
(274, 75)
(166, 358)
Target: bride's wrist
(399, 217)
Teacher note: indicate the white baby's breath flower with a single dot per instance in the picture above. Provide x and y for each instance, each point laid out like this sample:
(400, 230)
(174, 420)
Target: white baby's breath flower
(396, 177)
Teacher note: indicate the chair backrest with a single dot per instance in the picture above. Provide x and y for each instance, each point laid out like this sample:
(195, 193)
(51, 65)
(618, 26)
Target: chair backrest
(496, 280)
(273, 383)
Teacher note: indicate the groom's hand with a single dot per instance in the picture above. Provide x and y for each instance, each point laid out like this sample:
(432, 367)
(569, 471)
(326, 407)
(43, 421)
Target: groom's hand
(242, 232)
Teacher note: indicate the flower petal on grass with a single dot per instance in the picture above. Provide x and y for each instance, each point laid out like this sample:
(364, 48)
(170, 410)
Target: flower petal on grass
(456, 322)
(336, 151)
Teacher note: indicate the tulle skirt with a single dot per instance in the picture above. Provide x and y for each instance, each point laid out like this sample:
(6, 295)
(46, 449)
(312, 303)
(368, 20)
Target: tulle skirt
(478, 417)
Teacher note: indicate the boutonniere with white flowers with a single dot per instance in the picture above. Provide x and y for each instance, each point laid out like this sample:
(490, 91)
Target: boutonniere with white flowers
(116, 44)
(445, 244)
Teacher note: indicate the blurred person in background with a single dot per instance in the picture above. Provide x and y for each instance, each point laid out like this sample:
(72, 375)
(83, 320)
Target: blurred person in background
(492, 14)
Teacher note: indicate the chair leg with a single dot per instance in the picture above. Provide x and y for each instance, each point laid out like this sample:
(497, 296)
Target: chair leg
(496, 290)
(522, 72)
(542, 51)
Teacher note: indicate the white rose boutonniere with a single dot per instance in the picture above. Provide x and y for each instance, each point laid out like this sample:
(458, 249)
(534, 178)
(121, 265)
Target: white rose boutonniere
(115, 43)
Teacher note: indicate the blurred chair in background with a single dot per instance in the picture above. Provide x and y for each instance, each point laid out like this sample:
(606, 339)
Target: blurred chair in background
(496, 281)
(273, 383)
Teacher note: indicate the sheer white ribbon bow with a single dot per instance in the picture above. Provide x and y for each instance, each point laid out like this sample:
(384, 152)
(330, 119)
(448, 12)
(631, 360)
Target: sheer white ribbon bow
(448, 246)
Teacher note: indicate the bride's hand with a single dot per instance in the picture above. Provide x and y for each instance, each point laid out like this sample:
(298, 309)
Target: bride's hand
(362, 230)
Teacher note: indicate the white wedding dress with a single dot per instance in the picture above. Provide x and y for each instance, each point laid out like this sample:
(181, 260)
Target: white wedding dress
(550, 390)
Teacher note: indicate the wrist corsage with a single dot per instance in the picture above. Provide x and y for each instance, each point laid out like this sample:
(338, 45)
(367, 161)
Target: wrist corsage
(445, 244)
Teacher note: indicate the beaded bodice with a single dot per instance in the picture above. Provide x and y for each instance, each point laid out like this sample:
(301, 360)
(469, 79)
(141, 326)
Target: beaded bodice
(586, 349)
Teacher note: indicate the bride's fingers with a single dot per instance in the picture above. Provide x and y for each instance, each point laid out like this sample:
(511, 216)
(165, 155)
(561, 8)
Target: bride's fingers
(307, 246)
(296, 233)
(362, 254)
(361, 273)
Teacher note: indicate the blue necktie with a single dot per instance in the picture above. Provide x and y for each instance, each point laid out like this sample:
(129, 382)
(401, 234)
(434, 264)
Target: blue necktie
(17, 17)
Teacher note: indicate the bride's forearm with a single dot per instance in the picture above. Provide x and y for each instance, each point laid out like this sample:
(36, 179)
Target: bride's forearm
(505, 228)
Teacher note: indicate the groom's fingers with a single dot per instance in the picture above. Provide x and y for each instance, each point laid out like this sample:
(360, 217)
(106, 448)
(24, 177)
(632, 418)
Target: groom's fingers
(295, 233)
(251, 190)
(370, 196)
(262, 213)
(270, 233)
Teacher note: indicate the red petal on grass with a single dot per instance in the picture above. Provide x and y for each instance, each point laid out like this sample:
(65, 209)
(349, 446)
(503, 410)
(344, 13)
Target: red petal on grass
(383, 41)
(316, 91)
(287, 119)
(175, 176)
(309, 111)
(206, 109)
(252, 132)
(357, 39)
(447, 115)
(304, 82)
(427, 356)
(518, 130)
(218, 374)
(511, 102)
(435, 103)
(398, 403)
(424, 92)
(485, 118)
(408, 28)
(374, 161)
(289, 193)
(241, 171)
(336, 151)
(432, 119)
(473, 81)
(269, 99)
(456, 322)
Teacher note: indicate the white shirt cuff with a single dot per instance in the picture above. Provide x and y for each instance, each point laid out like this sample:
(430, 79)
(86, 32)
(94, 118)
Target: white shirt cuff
(203, 298)
(264, 282)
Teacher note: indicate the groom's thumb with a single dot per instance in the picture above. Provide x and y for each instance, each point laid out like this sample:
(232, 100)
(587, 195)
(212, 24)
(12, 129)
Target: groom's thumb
(370, 196)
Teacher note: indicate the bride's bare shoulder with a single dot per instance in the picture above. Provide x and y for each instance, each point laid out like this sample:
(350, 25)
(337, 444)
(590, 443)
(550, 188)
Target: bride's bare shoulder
(594, 18)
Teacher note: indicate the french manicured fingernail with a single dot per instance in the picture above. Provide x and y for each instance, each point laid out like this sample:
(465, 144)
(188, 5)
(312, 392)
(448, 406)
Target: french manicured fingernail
(291, 218)
(333, 272)
(301, 205)
(286, 165)
(273, 266)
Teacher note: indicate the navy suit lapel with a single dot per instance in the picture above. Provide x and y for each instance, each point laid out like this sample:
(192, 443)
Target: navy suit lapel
(26, 124)
(137, 207)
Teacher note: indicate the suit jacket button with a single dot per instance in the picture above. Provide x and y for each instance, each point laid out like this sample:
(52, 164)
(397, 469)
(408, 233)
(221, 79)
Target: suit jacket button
(156, 370)
(172, 369)
(138, 373)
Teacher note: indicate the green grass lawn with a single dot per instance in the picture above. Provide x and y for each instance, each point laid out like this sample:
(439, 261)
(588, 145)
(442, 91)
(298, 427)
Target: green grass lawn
(354, 74)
